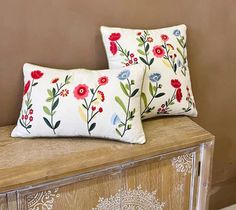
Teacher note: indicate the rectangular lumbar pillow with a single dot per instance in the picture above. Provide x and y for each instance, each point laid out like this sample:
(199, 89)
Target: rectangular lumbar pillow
(80, 102)
(167, 86)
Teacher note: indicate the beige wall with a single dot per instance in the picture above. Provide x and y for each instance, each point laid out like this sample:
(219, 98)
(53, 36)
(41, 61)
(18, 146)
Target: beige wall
(65, 34)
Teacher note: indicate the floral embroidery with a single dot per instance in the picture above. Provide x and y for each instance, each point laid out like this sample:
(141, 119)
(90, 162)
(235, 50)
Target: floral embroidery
(190, 101)
(27, 112)
(166, 51)
(54, 99)
(153, 90)
(124, 125)
(90, 108)
(177, 95)
(144, 40)
(115, 46)
(182, 51)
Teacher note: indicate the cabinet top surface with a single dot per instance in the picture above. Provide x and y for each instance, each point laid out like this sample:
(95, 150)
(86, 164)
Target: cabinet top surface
(33, 161)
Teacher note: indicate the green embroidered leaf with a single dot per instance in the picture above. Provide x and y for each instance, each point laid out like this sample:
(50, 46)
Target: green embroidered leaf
(49, 99)
(139, 40)
(180, 52)
(53, 92)
(57, 124)
(67, 79)
(92, 126)
(22, 124)
(134, 92)
(181, 43)
(84, 106)
(47, 122)
(140, 45)
(29, 126)
(30, 106)
(55, 104)
(50, 93)
(147, 47)
(35, 83)
(142, 38)
(159, 95)
(151, 89)
(144, 98)
(46, 110)
(118, 132)
(143, 60)
(151, 61)
(124, 89)
(92, 90)
(140, 52)
(120, 102)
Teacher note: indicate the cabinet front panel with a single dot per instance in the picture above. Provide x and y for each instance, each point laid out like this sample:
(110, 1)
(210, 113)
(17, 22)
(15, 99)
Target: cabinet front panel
(3, 202)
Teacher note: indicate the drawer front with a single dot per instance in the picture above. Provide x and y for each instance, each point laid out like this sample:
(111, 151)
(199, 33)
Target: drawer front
(154, 184)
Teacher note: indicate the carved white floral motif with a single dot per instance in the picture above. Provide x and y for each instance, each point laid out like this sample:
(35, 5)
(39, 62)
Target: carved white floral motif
(136, 199)
(183, 163)
(42, 200)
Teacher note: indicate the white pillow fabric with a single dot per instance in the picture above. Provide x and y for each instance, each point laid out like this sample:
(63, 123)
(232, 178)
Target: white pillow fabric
(167, 86)
(80, 102)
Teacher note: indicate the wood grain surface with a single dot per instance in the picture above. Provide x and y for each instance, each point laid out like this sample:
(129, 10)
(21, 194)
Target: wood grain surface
(33, 161)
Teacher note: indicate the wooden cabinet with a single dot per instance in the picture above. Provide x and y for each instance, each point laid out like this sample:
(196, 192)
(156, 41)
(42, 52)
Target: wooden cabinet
(170, 172)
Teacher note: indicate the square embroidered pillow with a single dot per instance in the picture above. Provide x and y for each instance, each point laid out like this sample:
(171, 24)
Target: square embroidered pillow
(167, 86)
(80, 102)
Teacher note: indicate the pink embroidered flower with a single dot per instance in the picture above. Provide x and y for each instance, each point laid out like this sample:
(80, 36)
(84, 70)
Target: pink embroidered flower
(100, 109)
(31, 118)
(31, 111)
(81, 91)
(55, 80)
(135, 59)
(113, 48)
(150, 39)
(175, 83)
(64, 92)
(179, 95)
(103, 80)
(26, 87)
(114, 37)
(101, 96)
(131, 55)
(36, 74)
(158, 51)
(26, 116)
(164, 37)
(22, 117)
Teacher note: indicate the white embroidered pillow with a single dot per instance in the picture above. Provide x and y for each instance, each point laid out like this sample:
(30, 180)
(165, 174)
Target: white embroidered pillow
(81, 102)
(167, 86)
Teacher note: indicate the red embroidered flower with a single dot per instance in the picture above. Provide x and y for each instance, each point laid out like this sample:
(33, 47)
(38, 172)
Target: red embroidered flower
(26, 116)
(135, 59)
(26, 87)
(158, 51)
(36, 74)
(150, 39)
(113, 48)
(22, 117)
(114, 37)
(93, 108)
(100, 109)
(139, 33)
(31, 111)
(31, 118)
(101, 95)
(103, 80)
(179, 95)
(164, 37)
(64, 92)
(81, 91)
(55, 80)
(175, 83)
(131, 55)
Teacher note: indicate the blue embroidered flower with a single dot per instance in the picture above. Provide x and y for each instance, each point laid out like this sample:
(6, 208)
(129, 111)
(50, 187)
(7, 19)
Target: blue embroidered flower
(176, 32)
(115, 119)
(155, 77)
(124, 75)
